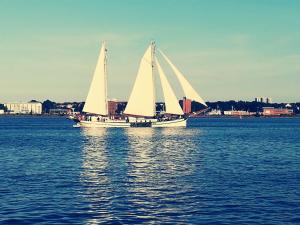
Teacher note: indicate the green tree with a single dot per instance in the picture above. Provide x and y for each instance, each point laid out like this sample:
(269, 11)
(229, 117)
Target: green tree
(47, 105)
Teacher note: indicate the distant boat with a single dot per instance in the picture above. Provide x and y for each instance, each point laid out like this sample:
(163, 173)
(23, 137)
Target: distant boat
(71, 117)
(140, 110)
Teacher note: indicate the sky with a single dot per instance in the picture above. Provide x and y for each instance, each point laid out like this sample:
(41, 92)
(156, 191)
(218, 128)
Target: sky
(228, 50)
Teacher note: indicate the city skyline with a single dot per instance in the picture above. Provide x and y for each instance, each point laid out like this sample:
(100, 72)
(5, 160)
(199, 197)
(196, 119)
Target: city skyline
(227, 50)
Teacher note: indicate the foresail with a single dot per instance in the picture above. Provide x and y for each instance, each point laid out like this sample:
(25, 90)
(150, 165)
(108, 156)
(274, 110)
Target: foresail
(188, 90)
(96, 101)
(142, 98)
(171, 101)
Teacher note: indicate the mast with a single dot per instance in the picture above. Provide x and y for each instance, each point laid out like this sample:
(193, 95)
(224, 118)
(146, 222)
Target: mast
(105, 78)
(96, 101)
(153, 48)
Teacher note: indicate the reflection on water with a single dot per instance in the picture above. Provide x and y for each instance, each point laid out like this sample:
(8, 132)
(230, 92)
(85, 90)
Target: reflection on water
(94, 157)
(157, 158)
(93, 175)
(137, 173)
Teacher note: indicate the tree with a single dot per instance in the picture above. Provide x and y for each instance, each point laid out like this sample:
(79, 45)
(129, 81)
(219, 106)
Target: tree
(32, 101)
(47, 105)
(78, 106)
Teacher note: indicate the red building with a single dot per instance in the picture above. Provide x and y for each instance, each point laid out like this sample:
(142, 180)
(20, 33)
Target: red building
(271, 111)
(187, 105)
(112, 107)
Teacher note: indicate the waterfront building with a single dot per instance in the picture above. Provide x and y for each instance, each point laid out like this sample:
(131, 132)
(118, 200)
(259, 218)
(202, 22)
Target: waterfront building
(60, 111)
(215, 112)
(237, 113)
(1, 111)
(187, 105)
(112, 106)
(271, 111)
(24, 108)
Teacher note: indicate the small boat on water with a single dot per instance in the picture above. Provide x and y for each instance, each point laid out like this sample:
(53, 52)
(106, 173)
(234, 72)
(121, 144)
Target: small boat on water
(71, 117)
(140, 110)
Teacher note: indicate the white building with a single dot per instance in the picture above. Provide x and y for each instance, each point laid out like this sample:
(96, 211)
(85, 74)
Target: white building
(237, 113)
(215, 112)
(24, 108)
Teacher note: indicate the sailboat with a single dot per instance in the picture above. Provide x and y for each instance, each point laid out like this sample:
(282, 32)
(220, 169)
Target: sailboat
(140, 110)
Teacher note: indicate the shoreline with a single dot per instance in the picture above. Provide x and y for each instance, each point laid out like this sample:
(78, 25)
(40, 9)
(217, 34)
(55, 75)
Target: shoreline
(192, 117)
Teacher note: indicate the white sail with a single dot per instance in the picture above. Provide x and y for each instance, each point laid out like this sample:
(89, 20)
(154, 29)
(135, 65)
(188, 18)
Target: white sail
(171, 101)
(96, 101)
(188, 90)
(142, 98)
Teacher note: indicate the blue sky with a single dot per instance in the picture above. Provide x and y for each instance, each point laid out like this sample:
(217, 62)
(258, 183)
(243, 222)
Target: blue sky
(227, 49)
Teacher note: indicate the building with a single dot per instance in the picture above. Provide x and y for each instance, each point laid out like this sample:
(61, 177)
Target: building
(60, 111)
(237, 113)
(112, 106)
(1, 111)
(263, 100)
(271, 111)
(24, 108)
(269, 100)
(215, 112)
(187, 105)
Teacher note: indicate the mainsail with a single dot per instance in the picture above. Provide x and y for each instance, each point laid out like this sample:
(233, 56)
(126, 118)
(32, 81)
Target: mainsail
(142, 98)
(96, 101)
(171, 101)
(188, 90)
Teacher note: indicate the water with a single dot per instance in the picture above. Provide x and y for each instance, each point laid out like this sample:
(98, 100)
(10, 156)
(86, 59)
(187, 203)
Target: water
(217, 171)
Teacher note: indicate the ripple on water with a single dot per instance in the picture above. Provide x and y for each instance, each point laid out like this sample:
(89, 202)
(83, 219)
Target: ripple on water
(216, 171)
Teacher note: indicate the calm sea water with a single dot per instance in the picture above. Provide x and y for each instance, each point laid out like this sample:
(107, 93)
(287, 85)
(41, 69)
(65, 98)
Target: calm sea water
(216, 171)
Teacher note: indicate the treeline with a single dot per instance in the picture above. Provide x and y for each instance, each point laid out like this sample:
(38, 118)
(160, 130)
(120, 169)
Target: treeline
(219, 105)
(47, 105)
(249, 106)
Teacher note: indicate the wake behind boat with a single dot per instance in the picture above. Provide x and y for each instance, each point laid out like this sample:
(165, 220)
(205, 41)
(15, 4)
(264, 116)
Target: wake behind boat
(140, 110)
